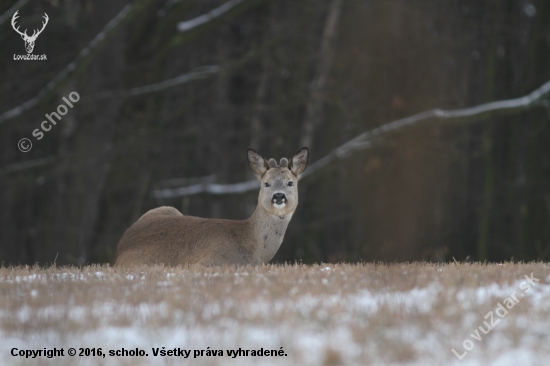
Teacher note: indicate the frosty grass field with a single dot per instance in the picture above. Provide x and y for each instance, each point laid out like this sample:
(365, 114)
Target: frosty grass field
(364, 314)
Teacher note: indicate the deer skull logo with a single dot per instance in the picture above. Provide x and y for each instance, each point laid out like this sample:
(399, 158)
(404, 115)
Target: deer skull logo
(29, 40)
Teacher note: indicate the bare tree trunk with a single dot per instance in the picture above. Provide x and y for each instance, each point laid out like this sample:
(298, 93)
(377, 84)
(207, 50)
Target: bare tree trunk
(522, 78)
(256, 126)
(488, 137)
(317, 88)
(519, 186)
(98, 136)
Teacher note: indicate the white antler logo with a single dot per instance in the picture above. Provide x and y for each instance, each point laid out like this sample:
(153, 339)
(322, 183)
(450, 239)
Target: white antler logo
(29, 41)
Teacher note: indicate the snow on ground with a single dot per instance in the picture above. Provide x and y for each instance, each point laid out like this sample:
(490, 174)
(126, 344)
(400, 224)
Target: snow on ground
(329, 316)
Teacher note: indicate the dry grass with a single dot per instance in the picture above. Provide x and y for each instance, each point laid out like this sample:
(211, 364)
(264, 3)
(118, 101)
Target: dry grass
(321, 315)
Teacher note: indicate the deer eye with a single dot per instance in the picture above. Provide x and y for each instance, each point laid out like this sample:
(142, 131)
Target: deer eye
(267, 184)
(290, 184)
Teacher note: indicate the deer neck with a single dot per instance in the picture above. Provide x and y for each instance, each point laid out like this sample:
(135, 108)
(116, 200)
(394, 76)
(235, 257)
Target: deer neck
(268, 232)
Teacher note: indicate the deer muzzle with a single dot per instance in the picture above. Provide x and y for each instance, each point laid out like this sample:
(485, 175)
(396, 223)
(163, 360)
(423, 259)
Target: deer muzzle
(279, 200)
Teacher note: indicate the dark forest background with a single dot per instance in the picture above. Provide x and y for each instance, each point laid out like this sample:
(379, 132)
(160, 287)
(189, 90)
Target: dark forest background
(275, 75)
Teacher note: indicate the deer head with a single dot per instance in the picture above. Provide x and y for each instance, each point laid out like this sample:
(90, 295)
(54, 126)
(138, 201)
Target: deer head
(29, 40)
(279, 182)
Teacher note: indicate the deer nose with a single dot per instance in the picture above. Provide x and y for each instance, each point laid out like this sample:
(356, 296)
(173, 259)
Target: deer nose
(279, 198)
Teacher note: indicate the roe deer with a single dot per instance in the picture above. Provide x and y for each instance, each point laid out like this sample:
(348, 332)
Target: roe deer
(165, 236)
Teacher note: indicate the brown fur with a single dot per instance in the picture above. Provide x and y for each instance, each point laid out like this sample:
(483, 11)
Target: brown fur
(165, 236)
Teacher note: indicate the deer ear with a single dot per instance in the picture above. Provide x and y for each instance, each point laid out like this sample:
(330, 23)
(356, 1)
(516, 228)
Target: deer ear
(257, 164)
(298, 163)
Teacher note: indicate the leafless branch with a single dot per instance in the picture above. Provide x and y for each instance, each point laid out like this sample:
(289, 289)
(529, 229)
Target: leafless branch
(207, 188)
(198, 73)
(188, 25)
(366, 140)
(8, 13)
(29, 164)
(167, 6)
(178, 182)
(70, 68)
(195, 74)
